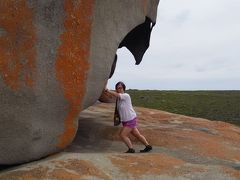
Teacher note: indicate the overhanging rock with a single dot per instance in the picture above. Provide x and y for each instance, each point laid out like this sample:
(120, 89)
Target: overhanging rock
(55, 57)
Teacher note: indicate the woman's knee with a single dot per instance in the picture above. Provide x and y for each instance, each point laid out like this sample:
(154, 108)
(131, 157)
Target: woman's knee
(136, 133)
(122, 135)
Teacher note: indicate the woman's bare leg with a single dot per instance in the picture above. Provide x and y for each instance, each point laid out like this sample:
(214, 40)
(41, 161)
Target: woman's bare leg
(124, 133)
(139, 136)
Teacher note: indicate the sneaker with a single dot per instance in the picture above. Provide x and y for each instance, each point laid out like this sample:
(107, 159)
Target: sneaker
(130, 150)
(147, 149)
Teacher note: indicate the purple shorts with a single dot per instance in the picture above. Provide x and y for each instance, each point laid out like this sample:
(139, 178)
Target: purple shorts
(131, 124)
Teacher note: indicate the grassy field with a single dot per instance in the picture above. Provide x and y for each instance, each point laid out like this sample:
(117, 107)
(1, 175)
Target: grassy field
(213, 105)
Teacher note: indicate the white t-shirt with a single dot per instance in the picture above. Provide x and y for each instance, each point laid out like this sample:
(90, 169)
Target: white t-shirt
(125, 108)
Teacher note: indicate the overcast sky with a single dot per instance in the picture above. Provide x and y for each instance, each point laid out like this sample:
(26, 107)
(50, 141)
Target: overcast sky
(195, 45)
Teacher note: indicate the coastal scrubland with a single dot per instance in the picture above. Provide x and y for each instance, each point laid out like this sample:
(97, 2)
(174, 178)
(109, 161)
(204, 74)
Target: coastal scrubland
(213, 105)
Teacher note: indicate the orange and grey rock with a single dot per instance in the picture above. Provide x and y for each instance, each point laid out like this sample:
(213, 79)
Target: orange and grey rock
(55, 57)
(183, 148)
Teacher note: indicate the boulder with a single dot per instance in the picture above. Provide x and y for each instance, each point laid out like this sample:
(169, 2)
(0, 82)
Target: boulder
(55, 58)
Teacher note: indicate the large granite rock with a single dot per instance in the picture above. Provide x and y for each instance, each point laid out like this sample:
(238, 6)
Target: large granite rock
(55, 58)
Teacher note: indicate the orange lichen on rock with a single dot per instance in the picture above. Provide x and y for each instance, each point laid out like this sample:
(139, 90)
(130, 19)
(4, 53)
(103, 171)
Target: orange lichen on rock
(146, 164)
(17, 44)
(63, 174)
(195, 141)
(68, 169)
(232, 172)
(200, 143)
(72, 61)
(35, 173)
(80, 167)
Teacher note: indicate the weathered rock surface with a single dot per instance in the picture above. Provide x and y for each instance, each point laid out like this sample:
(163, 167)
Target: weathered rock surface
(184, 148)
(55, 58)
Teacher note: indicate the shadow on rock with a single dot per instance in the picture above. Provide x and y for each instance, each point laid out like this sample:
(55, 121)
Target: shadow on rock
(90, 137)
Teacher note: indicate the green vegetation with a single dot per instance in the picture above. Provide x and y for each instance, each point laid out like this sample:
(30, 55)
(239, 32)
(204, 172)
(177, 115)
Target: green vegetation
(214, 105)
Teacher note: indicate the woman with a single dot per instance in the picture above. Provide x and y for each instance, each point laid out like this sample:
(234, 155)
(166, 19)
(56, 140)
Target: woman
(128, 117)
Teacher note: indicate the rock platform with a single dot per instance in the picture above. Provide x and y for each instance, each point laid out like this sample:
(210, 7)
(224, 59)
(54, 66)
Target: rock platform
(183, 148)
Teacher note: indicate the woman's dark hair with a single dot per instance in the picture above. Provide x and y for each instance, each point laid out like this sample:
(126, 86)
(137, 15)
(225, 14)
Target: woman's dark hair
(120, 83)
